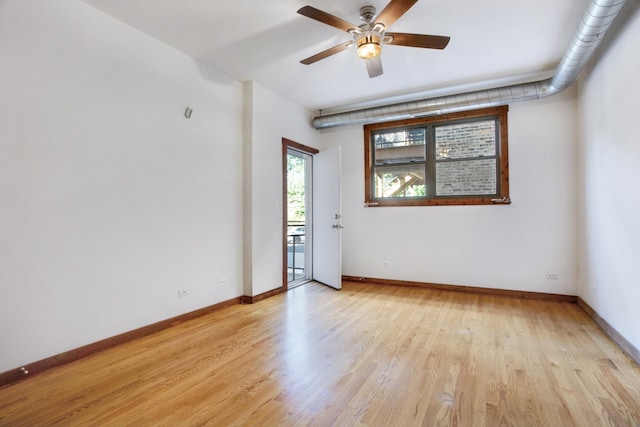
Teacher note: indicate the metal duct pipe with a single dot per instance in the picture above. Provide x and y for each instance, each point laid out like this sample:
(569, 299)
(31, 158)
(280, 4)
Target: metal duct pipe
(597, 19)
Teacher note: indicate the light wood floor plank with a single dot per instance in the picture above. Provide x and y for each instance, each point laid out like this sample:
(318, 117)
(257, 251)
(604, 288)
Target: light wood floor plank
(369, 355)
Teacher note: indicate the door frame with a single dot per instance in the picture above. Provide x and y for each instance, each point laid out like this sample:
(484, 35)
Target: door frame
(286, 144)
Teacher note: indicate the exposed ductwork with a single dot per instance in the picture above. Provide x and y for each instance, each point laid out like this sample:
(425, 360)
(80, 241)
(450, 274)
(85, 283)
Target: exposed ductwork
(597, 19)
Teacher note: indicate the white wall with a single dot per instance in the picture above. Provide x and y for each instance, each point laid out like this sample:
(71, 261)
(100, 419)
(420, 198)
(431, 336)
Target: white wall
(609, 176)
(111, 199)
(504, 247)
(268, 118)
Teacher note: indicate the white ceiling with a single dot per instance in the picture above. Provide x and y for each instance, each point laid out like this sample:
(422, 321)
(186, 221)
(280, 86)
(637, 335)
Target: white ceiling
(493, 42)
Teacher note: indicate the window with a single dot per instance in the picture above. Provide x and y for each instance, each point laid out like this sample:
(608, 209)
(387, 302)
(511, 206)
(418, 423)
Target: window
(452, 159)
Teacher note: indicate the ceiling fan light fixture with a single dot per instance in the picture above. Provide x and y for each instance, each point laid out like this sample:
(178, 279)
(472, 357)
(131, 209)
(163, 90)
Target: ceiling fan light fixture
(369, 46)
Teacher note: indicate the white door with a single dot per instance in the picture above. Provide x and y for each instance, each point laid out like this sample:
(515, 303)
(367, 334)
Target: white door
(327, 218)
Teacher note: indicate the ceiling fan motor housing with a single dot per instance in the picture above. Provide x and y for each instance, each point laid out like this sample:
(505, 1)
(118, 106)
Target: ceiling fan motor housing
(367, 13)
(369, 37)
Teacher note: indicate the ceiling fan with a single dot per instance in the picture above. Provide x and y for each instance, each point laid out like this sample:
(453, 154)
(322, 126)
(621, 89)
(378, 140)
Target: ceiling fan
(370, 36)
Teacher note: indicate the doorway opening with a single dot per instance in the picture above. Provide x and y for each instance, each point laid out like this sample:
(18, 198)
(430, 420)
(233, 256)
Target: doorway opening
(298, 181)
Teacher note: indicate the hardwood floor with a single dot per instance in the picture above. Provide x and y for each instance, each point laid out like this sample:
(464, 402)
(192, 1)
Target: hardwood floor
(368, 355)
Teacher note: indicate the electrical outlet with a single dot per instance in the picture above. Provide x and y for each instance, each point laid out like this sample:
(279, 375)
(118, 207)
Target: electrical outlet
(552, 276)
(183, 292)
(223, 281)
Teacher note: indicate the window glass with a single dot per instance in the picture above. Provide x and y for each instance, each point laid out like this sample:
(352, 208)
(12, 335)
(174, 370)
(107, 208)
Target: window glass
(399, 181)
(473, 139)
(469, 177)
(399, 146)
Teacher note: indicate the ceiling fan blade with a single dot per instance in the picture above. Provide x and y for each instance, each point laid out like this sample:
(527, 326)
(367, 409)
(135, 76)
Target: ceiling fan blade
(394, 10)
(328, 52)
(374, 67)
(326, 18)
(417, 40)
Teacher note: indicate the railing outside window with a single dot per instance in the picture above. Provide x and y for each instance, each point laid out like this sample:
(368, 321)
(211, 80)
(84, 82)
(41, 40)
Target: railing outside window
(296, 237)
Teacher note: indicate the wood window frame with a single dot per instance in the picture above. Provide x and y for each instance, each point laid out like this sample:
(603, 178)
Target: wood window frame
(503, 160)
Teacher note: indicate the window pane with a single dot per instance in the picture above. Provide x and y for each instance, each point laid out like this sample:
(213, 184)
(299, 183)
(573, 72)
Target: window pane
(467, 177)
(463, 140)
(295, 188)
(399, 181)
(399, 146)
